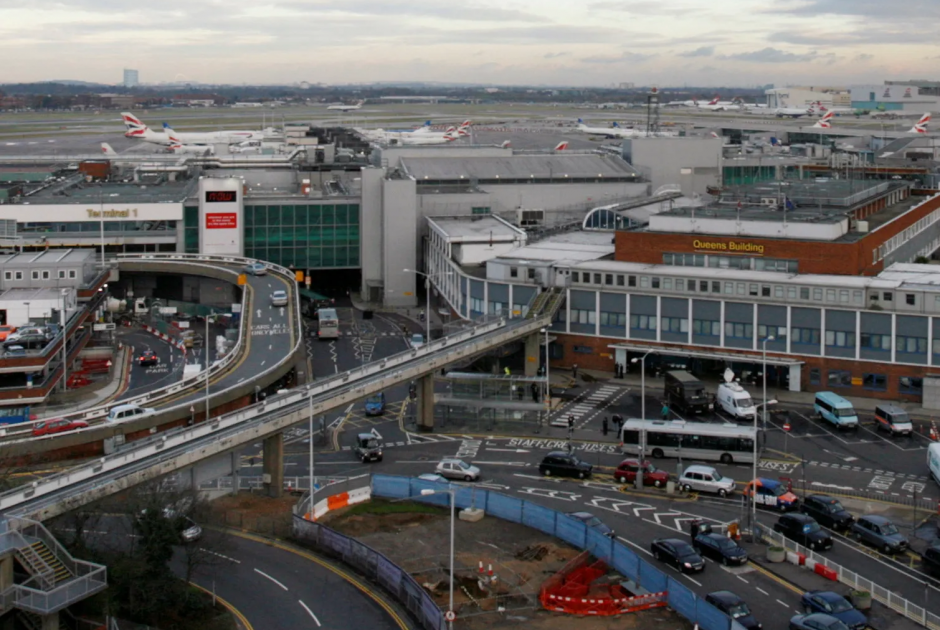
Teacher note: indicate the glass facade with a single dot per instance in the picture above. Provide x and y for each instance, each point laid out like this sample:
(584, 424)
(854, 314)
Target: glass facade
(314, 236)
(191, 229)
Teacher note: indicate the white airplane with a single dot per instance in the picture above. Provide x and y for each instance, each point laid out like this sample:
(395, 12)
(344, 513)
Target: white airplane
(107, 150)
(177, 145)
(615, 131)
(421, 139)
(793, 112)
(835, 110)
(463, 129)
(138, 130)
(342, 107)
(421, 135)
(921, 125)
(715, 105)
(825, 122)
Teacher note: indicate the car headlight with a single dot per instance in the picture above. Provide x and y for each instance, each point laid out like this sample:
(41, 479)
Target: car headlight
(687, 565)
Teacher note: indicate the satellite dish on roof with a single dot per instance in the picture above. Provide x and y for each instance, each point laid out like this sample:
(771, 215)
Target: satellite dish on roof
(728, 375)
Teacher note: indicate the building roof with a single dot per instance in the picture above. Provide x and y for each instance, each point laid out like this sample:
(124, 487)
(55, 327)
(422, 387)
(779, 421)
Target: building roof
(476, 229)
(46, 257)
(571, 247)
(84, 193)
(31, 295)
(587, 165)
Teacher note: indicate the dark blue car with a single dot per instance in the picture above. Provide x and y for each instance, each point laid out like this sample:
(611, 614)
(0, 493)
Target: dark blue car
(834, 605)
(816, 621)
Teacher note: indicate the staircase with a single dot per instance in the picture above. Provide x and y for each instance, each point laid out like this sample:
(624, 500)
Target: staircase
(546, 303)
(59, 572)
(32, 621)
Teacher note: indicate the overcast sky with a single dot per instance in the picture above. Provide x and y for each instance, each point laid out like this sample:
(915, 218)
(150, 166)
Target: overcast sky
(556, 42)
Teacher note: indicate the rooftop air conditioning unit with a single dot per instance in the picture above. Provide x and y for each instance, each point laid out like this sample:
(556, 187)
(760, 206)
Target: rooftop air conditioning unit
(768, 201)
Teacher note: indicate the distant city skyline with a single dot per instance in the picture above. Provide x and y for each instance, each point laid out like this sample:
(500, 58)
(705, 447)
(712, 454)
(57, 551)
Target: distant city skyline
(512, 42)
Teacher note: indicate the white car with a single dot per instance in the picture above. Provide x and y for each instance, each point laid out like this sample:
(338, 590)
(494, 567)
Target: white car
(124, 413)
(279, 298)
(457, 469)
(417, 340)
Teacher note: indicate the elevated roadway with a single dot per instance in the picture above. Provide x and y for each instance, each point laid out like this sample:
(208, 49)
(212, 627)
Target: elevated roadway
(211, 449)
(270, 342)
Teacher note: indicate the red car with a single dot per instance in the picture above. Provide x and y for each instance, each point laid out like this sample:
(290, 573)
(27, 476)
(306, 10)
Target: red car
(48, 427)
(6, 331)
(652, 476)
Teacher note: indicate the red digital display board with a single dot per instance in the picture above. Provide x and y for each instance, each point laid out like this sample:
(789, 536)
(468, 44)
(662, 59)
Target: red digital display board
(222, 221)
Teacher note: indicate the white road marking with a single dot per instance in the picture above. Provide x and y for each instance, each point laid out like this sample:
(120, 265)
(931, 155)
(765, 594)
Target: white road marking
(784, 604)
(762, 591)
(311, 612)
(742, 579)
(694, 581)
(270, 578)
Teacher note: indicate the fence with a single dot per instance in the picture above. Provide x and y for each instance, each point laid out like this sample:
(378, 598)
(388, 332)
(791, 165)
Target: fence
(616, 555)
(917, 614)
(367, 561)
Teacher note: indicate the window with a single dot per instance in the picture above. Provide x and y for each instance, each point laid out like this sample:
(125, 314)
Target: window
(61, 274)
(574, 276)
(716, 286)
(779, 333)
(887, 297)
(609, 279)
(482, 210)
(752, 290)
(839, 378)
(876, 342)
(765, 291)
(680, 284)
(476, 305)
(45, 274)
(667, 284)
(830, 295)
(791, 293)
(729, 288)
(530, 273)
(804, 293)
(582, 316)
(778, 292)
(705, 327)
(584, 349)
(856, 297)
(736, 330)
(7, 275)
(597, 278)
(844, 296)
(644, 282)
(814, 378)
(840, 339)
(742, 288)
(675, 324)
(655, 283)
(875, 382)
(631, 281)
(497, 308)
(817, 295)
(912, 345)
(18, 275)
(643, 322)
(692, 286)
(808, 336)
(35, 274)
(613, 319)
(619, 280)
(911, 385)
(514, 273)
(910, 299)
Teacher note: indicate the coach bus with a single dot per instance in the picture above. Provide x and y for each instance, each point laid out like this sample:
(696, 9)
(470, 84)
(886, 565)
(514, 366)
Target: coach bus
(726, 443)
(328, 324)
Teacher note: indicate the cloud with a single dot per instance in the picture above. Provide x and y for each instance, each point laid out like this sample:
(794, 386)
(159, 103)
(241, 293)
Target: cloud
(771, 55)
(868, 9)
(556, 55)
(625, 57)
(862, 58)
(704, 51)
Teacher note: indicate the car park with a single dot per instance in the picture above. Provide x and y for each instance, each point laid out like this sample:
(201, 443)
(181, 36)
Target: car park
(772, 494)
(124, 413)
(719, 548)
(880, 533)
(562, 464)
(27, 342)
(457, 469)
(627, 471)
(368, 448)
(255, 269)
(706, 479)
(147, 358)
(735, 607)
(593, 522)
(802, 529)
(834, 605)
(893, 419)
(827, 511)
(677, 553)
(816, 621)
(279, 298)
(29, 331)
(50, 427)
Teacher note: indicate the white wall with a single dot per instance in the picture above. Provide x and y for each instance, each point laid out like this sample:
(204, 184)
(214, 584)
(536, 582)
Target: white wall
(400, 241)
(221, 224)
(69, 212)
(372, 228)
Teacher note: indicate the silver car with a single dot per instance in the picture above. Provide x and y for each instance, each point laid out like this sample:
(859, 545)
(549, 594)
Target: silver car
(706, 479)
(279, 298)
(457, 469)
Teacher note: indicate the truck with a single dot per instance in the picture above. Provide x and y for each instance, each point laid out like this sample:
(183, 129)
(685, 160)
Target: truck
(685, 392)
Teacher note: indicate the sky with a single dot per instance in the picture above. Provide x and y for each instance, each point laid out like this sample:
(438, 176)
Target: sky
(667, 43)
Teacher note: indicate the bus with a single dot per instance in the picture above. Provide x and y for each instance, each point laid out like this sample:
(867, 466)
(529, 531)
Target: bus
(328, 324)
(726, 443)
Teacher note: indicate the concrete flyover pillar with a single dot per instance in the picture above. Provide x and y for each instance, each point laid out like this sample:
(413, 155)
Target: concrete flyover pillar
(425, 407)
(50, 622)
(273, 471)
(532, 346)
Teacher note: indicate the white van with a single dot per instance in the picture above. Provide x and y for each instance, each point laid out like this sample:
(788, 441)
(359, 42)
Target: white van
(933, 461)
(123, 413)
(735, 401)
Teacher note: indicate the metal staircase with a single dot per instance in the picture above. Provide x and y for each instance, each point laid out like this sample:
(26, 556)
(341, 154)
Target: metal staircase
(546, 303)
(56, 579)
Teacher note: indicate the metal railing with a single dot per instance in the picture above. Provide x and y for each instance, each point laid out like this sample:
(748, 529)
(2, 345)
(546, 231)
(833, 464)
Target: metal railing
(187, 445)
(154, 397)
(895, 602)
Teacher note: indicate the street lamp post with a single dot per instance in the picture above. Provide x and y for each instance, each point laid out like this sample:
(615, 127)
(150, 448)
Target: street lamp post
(764, 412)
(642, 360)
(548, 378)
(65, 337)
(427, 292)
(453, 501)
(205, 346)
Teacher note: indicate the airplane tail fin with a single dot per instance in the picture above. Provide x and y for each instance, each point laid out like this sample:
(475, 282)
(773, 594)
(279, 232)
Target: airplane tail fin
(615, 125)
(464, 128)
(107, 150)
(715, 100)
(714, 135)
(133, 127)
(921, 125)
(561, 146)
(825, 122)
(506, 144)
(172, 136)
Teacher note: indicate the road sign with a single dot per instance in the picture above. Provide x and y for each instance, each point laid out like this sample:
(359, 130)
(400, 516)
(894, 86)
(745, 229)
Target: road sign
(786, 427)
(98, 327)
(242, 279)
(450, 615)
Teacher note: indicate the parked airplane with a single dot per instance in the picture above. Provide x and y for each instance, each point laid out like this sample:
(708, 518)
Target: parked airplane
(792, 112)
(819, 107)
(615, 131)
(716, 105)
(921, 125)
(342, 107)
(138, 130)
(423, 138)
(462, 130)
(825, 122)
(177, 145)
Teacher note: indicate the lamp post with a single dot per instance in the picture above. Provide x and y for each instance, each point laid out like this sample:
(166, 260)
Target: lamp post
(65, 337)
(27, 311)
(310, 454)
(453, 500)
(548, 379)
(206, 348)
(427, 292)
(764, 412)
(642, 360)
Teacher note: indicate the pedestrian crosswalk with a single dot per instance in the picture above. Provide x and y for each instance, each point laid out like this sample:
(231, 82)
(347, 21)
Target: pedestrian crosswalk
(588, 405)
